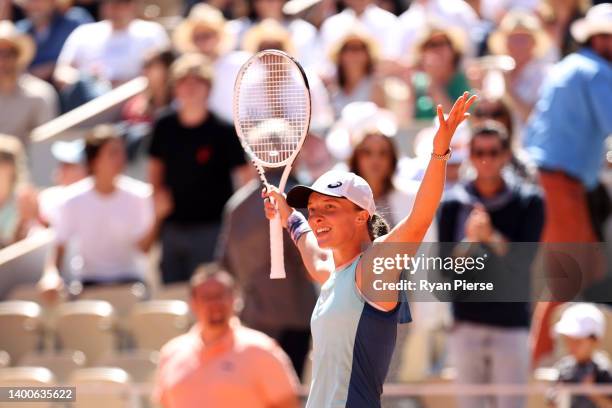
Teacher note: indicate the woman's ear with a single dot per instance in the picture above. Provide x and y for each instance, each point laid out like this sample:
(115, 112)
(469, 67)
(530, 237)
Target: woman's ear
(362, 217)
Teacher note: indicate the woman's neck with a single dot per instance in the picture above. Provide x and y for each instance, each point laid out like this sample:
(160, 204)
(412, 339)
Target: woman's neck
(104, 186)
(346, 253)
(193, 116)
(352, 79)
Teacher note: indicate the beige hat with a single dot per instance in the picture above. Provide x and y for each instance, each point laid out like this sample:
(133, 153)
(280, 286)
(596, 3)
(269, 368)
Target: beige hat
(267, 30)
(598, 20)
(359, 33)
(202, 15)
(455, 35)
(23, 43)
(192, 64)
(519, 21)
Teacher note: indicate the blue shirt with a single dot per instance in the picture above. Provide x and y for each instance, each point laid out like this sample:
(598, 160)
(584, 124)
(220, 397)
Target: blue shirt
(352, 344)
(573, 117)
(50, 42)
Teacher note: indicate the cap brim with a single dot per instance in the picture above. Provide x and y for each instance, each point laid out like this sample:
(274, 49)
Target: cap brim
(298, 196)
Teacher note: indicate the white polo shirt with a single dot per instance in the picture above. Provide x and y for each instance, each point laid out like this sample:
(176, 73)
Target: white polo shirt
(105, 229)
(112, 55)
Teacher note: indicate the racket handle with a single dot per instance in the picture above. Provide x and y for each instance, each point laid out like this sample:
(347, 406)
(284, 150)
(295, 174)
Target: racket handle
(277, 261)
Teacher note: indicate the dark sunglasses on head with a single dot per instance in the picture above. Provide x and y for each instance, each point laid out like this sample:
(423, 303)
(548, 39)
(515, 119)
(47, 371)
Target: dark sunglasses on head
(436, 44)
(482, 153)
(495, 113)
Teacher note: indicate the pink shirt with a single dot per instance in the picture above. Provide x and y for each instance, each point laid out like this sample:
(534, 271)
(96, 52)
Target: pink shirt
(246, 368)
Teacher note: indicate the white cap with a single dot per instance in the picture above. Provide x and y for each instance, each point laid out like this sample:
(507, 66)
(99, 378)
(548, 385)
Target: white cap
(336, 183)
(581, 320)
(598, 20)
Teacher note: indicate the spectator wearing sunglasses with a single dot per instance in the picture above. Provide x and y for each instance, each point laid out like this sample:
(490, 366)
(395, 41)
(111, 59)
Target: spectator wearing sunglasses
(437, 76)
(496, 109)
(489, 342)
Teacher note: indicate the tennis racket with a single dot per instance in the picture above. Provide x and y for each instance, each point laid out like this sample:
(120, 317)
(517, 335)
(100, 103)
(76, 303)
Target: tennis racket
(272, 116)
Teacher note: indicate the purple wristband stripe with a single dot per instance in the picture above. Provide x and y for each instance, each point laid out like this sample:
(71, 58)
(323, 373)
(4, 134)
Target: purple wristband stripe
(297, 226)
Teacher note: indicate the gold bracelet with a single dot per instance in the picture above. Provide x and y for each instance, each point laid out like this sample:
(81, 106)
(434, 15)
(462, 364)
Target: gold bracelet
(443, 157)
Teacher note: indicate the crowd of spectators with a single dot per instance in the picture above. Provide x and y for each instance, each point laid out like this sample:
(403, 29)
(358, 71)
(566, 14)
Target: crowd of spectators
(527, 167)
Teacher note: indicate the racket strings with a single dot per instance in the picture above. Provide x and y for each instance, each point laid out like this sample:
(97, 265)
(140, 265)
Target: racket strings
(273, 111)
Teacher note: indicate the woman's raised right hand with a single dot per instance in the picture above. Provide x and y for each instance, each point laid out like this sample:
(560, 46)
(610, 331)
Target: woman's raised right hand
(275, 201)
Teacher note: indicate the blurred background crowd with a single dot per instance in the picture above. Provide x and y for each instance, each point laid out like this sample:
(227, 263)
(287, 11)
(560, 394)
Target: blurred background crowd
(139, 198)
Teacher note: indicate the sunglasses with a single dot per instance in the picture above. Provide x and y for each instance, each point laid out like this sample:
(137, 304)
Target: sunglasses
(495, 113)
(8, 53)
(482, 153)
(436, 44)
(354, 48)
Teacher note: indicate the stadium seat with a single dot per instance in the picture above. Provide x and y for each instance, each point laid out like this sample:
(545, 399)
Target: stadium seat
(155, 322)
(27, 292)
(26, 377)
(101, 387)
(5, 359)
(20, 323)
(139, 364)
(88, 326)
(121, 297)
(62, 364)
(173, 291)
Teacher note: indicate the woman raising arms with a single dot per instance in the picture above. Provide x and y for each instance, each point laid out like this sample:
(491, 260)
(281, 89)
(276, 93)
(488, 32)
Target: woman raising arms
(354, 334)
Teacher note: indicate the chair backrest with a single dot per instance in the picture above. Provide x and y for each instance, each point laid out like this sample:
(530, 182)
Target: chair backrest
(101, 387)
(27, 377)
(122, 297)
(62, 364)
(139, 364)
(87, 326)
(155, 322)
(173, 291)
(20, 325)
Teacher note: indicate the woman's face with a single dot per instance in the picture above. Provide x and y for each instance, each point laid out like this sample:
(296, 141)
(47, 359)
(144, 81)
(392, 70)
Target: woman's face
(269, 9)
(354, 55)
(438, 52)
(488, 157)
(110, 160)
(375, 158)
(191, 91)
(206, 40)
(335, 221)
(520, 46)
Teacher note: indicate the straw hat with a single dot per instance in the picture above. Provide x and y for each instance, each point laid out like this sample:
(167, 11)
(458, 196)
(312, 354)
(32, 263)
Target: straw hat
(357, 120)
(598, 20)
(359, 33)
(23, 43)
(194, 64)
(267, 30)
(202, 15)
(455, 35)
(519, 21)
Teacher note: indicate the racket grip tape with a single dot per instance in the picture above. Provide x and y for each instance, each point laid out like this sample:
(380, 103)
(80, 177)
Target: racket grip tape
(277, 261)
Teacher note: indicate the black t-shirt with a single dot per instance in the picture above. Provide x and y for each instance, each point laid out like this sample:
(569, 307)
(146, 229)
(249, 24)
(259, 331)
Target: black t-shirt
(198, 165)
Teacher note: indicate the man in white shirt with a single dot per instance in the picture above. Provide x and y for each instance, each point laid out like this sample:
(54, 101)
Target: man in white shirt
(378, 22)
(113, 49)
(109, 218)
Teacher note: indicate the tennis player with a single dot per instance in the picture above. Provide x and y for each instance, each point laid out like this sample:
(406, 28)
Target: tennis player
(353, 334)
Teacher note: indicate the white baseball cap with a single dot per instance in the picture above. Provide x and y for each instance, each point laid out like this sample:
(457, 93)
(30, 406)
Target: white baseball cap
(581, 320)
(336, 183)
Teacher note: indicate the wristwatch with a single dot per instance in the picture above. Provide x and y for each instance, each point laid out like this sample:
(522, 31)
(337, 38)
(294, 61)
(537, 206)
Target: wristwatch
(443, 157)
